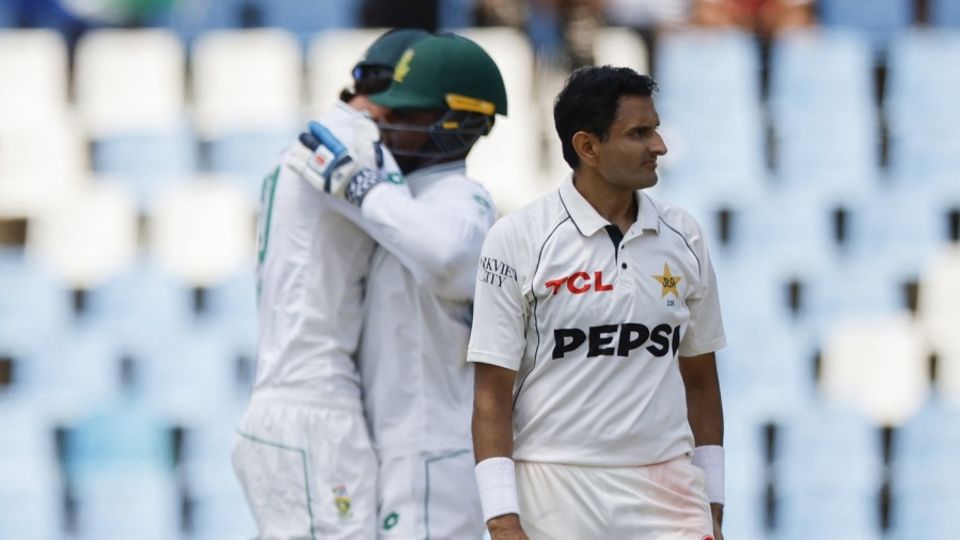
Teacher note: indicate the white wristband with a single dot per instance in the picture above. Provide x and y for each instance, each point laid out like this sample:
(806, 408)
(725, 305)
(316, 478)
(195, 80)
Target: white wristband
(710, 459)
(496, 478)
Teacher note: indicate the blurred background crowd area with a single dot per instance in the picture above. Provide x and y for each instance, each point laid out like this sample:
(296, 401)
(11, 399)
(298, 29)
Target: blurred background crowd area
(818, 143)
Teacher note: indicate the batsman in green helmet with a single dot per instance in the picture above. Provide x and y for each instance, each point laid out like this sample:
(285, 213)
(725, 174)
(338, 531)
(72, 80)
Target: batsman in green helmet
(445, 94)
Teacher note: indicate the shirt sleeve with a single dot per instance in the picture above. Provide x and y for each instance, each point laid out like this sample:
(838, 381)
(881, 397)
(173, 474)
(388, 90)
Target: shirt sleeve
(500, 310)
(705, 330)
(437, 236)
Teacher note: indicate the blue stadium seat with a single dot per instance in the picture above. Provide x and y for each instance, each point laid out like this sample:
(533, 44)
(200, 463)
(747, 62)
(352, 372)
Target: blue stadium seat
(32, 302)
(143, 306)
(922, 87)
(128, 502)
(8, 14)
(944, 13)
(828, 474)
(121, 433)
(191, 19)
(248, 157)
(30, 487)
(925, 482)
(880, 19)
(219, 507)
(77, 371)
(709, 106)
(743, 440)
(307, 18)
(146, 162)
(822, 78)
(192, 377)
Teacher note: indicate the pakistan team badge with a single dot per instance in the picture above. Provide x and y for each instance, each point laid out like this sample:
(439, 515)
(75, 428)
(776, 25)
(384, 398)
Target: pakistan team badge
(668, 283)
(342, 501)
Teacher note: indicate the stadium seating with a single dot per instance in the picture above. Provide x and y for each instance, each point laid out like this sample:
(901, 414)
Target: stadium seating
(33, 303)
(202, 232)
(938, 304)
(219, 508)
(745, 480)
(822, 78)
(621, 47)
(945, 13)
(43, 163)
(30, 487)
(89, 240)
(922, 85)
(246, 81)
(128, 502)
(828, 471)
(34, 83)
(709, 106)
(878, 364)
(924, 480)
(507, 161)
(880, 20)
(306, 18)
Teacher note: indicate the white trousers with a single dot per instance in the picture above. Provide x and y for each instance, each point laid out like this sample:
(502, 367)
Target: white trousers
(666, 501)
(430, 495)
(308, 472)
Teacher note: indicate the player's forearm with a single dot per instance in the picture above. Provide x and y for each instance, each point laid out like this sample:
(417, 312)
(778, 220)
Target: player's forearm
(704, 404)
(437, 243)
(492, 413)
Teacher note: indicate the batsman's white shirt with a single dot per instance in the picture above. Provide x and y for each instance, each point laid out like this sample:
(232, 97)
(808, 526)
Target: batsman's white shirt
(594, 326)
(417, 385)
(313, 264)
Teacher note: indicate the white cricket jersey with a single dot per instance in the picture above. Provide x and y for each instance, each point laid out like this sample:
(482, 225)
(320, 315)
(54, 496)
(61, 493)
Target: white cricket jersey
(417, 385)
(593, 327)
(313, 262)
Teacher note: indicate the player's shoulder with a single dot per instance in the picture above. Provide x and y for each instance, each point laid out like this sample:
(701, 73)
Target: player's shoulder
(673, 216)
(534, 222)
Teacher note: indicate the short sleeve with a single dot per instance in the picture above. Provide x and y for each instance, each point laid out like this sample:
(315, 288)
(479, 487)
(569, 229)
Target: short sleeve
(500, 311)
(705, 329)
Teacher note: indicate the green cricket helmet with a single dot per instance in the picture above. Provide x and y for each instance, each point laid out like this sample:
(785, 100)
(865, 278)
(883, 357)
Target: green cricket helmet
(450, 73)
(373, 73)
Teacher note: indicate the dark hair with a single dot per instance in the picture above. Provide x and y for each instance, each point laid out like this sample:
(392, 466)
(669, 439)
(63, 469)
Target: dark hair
(589, 101)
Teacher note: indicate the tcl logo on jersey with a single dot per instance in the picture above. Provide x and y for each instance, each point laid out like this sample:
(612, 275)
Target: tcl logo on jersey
(617, 340)
(579, 283)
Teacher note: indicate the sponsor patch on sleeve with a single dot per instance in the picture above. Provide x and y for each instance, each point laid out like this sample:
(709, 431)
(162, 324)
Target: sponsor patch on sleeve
(494, 272)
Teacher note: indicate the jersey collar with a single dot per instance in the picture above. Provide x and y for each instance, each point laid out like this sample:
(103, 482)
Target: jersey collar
(588, 221)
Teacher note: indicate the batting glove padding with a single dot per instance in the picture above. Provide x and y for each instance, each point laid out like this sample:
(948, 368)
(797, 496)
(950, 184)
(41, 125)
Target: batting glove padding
(348, 171)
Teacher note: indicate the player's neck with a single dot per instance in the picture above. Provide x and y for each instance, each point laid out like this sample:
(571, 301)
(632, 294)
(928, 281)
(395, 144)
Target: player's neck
(616, 204)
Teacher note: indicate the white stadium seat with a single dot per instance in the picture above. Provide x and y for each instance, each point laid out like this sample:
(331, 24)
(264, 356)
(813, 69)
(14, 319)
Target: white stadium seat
(34, 81)
(246, 81)
(89, 239)
(203, 231)
(507, 162)
(130, 81)
(938, 303)
(332, 55)
(41, 165)
(878, 364)
(617, 46)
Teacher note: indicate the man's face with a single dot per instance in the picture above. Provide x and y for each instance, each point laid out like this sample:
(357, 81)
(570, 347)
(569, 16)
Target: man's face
(399, 140)
(628, 157)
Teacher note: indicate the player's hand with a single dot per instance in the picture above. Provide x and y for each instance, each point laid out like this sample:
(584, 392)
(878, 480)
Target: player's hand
(330, 162)
(506, 528)
(716, 511)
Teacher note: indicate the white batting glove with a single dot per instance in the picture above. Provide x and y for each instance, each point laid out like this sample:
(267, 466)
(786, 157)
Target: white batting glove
(344, 170)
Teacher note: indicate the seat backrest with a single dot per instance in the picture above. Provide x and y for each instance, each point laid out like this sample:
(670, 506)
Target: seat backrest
(246, 80)
(130, 81)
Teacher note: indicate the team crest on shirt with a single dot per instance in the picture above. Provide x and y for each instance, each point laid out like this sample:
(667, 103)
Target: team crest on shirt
(668, 283)
(342, 501)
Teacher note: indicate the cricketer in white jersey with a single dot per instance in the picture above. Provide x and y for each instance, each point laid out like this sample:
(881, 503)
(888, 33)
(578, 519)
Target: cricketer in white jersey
(593, 322)
(303, 452)
(418, 387)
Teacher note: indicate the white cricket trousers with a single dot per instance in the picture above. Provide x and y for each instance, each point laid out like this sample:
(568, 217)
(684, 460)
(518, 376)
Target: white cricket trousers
(430, 495)
(308, 472)
(665, 501)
